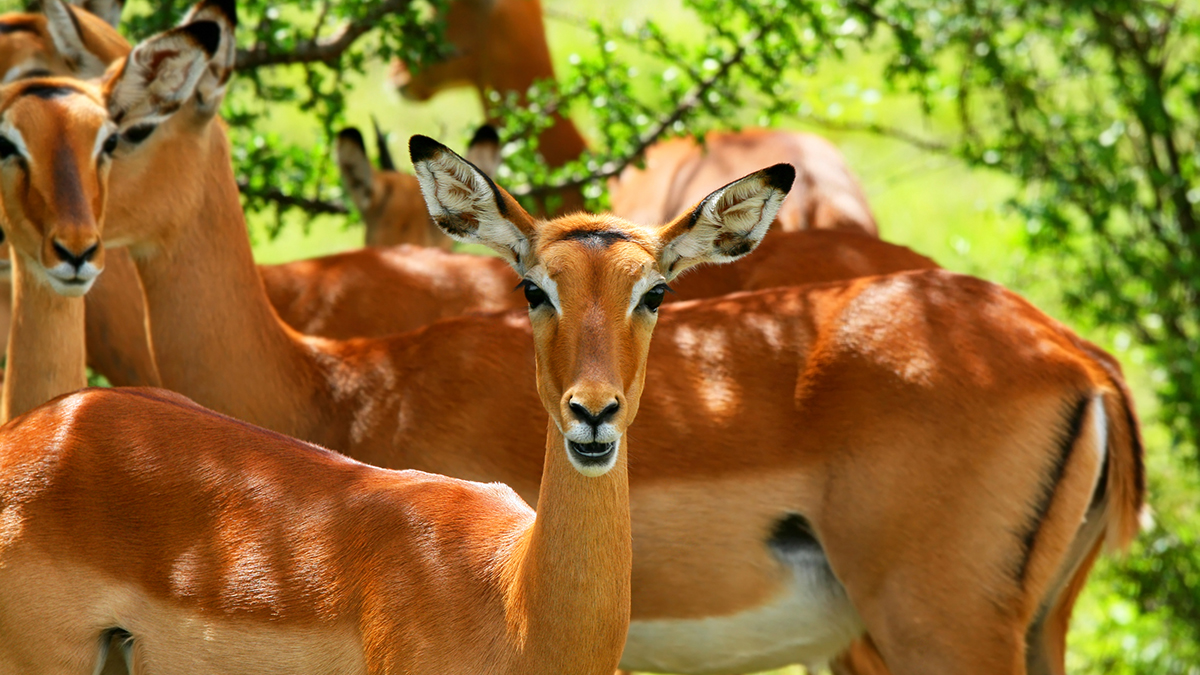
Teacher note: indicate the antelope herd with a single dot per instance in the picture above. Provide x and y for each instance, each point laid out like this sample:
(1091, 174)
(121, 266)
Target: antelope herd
(833, 453)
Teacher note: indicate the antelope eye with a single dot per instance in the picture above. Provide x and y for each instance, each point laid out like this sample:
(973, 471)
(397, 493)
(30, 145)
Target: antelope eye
(7, 149)
(139, 133)
(654, 297)
(110, 144)
(534, 295)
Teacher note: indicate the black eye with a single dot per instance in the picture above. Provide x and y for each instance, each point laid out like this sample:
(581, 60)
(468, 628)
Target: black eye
(7, 149)
(110, 144)
(139, 133)
(534, 295)
(654, 297)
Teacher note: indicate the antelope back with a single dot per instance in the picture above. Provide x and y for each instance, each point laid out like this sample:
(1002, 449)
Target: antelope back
(679, 171)
(498, 45)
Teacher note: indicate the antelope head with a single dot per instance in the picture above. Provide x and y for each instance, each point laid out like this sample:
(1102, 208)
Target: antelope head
(594, 284)
(56, 146)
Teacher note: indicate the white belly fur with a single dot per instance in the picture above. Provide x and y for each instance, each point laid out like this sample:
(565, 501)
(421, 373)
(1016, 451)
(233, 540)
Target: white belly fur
(810, 622)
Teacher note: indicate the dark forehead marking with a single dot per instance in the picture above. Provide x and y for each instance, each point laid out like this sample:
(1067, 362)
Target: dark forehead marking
(18, 26)
(48, 91)
(595, 238)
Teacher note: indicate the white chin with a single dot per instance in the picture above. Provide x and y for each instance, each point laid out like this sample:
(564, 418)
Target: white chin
(71, 290)
(593, 459)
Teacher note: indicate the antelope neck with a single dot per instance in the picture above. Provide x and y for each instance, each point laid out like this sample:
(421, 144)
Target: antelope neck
(46, 353)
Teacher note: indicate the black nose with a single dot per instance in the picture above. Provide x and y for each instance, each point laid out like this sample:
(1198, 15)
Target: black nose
(594, 419)
(76, 261)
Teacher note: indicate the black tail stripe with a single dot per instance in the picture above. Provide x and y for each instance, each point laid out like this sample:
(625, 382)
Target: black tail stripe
(1049, 484)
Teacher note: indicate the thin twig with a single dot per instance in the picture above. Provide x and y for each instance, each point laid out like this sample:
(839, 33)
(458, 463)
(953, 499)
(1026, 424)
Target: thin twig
(690, 100)
(316, 50)
(879, 130)
(279, 198)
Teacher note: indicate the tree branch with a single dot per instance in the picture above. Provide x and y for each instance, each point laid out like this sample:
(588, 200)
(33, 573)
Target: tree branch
(689, 101)
(316, 207)
(879, 130)
(317, 50)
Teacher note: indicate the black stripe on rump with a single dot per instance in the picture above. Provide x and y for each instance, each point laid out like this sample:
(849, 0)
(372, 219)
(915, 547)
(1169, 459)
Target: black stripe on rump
(1073, 426)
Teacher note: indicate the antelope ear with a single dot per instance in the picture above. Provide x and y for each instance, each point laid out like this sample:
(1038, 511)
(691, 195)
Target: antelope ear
(108, 10)
(484, 150)
(468, 206)
(357, 175)
(66, 32)
(160, 74)
(210, 89)
(727, 224)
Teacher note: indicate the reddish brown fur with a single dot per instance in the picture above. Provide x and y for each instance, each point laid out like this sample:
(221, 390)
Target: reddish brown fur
(25, 43)
(484, 35)
(381, 571)
(699, 592)
(48, 206)
(890, 373)
(680, 172)
(397, 214)
(116, 335)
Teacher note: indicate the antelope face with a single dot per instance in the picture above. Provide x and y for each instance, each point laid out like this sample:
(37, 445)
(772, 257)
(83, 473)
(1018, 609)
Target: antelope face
(594, 288)
(56, 145)
(594, 284)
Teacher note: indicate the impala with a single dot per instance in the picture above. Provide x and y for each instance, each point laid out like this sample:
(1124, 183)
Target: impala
(385, 196)
(924, 457)
(389, 200)
(501, 46)
(366, 293)
(204, 544)
(53, 212)
(81, 41)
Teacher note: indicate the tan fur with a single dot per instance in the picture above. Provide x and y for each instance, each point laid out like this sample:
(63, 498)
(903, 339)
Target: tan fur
(397, 214)
(54, 203)
(33, 49)
(680, 171)
(116, 342)
(903, 363)
(231, 550)
(865, 395)
(486, 36)
(230, 558)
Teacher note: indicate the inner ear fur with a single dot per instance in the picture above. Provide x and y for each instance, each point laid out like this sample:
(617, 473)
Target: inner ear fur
(67, 27)
(107, 10)
(727, 224)
(161, 73)
(468, 206)
(210, 89)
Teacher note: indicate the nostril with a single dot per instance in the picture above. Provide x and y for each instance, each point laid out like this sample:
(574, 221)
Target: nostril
(76, 261)
(609, 411)
(594, 419)
(581, 412)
